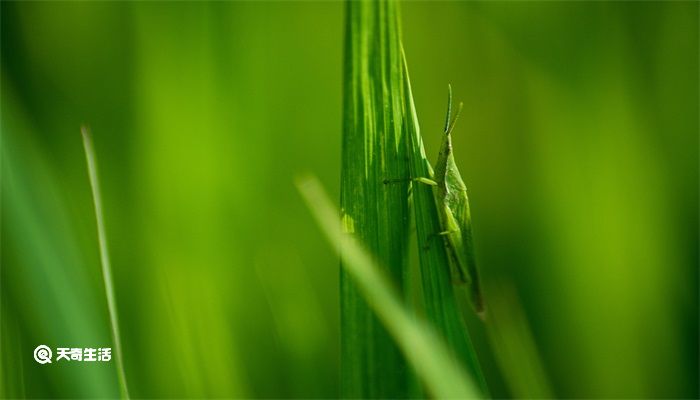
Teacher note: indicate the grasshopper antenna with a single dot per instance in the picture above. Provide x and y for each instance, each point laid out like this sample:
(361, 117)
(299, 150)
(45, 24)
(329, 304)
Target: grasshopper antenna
(454, 121)
(449, 107)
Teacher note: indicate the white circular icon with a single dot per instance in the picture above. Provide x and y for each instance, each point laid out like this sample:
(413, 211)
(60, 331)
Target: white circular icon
(42, 354)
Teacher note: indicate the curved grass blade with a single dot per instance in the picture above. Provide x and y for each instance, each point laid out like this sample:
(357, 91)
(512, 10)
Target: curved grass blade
(104, 257)
(440, 301)
(432, 361)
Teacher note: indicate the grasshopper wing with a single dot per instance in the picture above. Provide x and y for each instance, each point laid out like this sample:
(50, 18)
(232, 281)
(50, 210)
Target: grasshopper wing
(457, 201)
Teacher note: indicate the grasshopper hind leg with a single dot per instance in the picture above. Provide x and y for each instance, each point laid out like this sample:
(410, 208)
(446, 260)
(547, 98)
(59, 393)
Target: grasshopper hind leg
(477, 299)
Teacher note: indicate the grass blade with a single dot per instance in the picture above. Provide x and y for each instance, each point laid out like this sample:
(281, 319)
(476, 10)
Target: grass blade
(41, 261)
(440, 302)
(104, 257)
(373, 149)
(432, 361)
(514, 345)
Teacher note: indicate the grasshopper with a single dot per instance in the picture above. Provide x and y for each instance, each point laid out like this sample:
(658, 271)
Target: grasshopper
(452, 203)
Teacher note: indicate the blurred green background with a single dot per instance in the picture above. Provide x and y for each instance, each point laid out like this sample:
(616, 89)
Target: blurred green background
(579, 144)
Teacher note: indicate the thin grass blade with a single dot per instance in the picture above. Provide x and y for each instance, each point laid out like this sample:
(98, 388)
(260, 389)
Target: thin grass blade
(104, 257)
(514, 345)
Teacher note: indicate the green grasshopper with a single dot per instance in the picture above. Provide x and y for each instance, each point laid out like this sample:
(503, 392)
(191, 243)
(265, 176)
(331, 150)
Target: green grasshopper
(452, 202)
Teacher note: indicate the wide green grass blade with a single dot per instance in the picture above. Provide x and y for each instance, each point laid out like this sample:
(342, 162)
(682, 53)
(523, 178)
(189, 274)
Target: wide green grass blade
(440, 302)
(373, 149)
(441, 373)
(104, 258)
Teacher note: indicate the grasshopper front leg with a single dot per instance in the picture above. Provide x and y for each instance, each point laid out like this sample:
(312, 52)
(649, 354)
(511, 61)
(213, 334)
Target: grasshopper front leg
(423, 180)
(441, 234)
